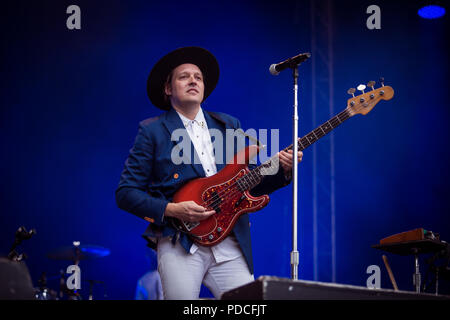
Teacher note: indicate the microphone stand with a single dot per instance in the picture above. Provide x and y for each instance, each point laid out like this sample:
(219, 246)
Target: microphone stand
(295, 253)
(275, 69)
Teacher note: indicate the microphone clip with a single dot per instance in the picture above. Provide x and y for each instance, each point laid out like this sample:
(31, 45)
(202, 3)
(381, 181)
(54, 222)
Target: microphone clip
(20, 235)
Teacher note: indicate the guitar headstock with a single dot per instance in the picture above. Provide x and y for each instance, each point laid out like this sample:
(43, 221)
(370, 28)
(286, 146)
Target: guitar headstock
(365, 102)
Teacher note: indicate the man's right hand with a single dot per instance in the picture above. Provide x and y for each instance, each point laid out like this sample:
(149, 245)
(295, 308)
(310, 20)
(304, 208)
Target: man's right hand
(187, 211)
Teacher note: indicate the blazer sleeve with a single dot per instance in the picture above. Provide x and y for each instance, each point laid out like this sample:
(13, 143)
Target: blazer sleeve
(132, 194)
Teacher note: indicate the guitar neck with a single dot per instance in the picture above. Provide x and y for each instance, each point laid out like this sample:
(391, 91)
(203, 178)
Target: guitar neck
(255, 176)
(322, 130)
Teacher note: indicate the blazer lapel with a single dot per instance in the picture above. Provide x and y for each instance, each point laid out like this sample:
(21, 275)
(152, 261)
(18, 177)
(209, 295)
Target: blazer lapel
(172, 122)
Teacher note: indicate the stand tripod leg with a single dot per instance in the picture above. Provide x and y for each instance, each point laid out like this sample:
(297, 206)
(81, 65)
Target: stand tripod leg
(416, 279)
(437, 281)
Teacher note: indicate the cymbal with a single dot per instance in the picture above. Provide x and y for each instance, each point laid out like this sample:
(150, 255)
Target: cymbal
(75, 253)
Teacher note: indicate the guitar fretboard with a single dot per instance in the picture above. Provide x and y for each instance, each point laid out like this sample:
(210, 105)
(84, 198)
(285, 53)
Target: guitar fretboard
(254, 177)
(321, 130)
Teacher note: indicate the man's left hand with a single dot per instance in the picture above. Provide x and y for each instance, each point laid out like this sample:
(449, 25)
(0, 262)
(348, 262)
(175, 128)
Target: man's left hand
(286, 161)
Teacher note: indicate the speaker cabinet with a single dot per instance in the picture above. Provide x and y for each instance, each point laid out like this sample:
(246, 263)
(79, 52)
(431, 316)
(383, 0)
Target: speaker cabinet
(273, 288)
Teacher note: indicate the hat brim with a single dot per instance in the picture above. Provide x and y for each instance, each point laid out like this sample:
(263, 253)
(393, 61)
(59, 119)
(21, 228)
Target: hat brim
(200, 57)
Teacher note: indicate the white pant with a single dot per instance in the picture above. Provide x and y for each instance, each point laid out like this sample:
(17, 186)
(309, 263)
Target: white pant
(182, 273)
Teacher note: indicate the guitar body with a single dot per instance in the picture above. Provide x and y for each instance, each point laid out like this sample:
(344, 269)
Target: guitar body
(221, 193)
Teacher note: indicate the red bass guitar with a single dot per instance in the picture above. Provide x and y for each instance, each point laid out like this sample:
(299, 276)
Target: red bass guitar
(227, 192)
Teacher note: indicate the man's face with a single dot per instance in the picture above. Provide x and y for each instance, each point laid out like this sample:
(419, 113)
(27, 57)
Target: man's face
(186, 86)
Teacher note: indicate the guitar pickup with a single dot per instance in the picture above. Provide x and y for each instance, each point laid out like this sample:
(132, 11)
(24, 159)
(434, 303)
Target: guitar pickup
(239, 201)
(217, 202)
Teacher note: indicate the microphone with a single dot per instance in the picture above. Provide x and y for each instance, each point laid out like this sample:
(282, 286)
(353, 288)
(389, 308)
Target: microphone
(275, 69)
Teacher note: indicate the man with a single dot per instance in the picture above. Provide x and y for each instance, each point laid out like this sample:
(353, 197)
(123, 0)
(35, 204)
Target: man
(178, 84)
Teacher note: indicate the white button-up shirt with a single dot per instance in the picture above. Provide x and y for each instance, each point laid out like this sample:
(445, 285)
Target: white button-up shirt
(198, 131)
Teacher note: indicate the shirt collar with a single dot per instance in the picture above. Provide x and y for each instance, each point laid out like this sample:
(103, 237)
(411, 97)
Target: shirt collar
(199, 118)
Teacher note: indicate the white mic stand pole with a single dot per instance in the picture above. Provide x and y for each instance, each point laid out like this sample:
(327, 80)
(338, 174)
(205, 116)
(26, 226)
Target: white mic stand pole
(294, 253)
(275, 69)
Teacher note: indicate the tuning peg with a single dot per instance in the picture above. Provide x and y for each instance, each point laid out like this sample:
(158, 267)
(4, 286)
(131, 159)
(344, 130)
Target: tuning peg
(361, 87)
(382, 81)
(371, 84)
(351, 91)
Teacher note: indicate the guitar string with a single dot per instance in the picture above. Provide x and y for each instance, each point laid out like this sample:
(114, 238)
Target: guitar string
(218, 197)
(233, 191)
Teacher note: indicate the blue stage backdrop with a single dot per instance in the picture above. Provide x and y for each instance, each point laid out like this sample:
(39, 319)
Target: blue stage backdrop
(71, 101)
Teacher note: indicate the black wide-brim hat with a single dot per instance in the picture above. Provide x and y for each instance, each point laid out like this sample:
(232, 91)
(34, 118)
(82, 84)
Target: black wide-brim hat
(200, 57)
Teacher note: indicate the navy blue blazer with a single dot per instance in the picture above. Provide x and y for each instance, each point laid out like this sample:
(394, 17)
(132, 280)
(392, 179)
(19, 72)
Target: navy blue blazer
(150, 178)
